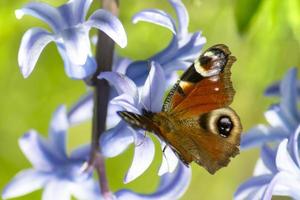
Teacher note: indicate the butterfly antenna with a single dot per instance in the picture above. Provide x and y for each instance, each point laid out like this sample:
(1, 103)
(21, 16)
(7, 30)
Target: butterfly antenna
(164, 155)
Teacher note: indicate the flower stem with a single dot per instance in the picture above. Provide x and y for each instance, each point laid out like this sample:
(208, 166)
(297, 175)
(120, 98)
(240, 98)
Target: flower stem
(104, 58)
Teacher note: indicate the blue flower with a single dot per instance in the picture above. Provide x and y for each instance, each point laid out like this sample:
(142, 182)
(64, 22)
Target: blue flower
(59, 174)
(134, 99)
(183, 49)
(276, 174)
(283, 117)
(70, 33)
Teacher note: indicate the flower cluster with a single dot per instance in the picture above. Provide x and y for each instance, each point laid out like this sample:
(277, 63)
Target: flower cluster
(277, 172)
(134, 85)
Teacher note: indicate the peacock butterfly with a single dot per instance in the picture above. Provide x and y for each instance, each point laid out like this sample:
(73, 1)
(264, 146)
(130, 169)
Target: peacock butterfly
(196, 120)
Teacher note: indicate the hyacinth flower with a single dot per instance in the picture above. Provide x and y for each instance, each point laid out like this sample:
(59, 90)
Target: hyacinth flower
(60, 175)
(277, 174)
(70, 33)
(283, 117)
(134, 99)
(181, 52)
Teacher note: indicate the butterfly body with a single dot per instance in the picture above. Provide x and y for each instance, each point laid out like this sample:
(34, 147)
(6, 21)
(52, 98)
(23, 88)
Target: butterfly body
(195, 120)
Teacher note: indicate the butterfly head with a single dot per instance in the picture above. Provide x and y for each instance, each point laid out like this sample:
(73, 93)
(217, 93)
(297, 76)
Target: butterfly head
(213, 60)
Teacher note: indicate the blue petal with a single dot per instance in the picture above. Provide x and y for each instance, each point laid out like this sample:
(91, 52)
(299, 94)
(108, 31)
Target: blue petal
(251, 186)
(169, 162)
(284, 161)
(154, 88)
(58, 131)
(32, 45)
(77, 44)
(77, 71)
(120, 82)
(110, 25)
(116, 140)
(288, 90)
(81, 153)
(283, 184)
(274, 89)
(182, 17)
(168, 52)
(260, 135)
(143, 155)
(82, 110)
(126, 102)
(172, 186)
(80, 9)
(25, 182)
(58, 190)
(268, 156)
(120, 64)
(155, 16)
(38, 151)
(86, 190)
(137, 71)
(293, 146)
(44, 12)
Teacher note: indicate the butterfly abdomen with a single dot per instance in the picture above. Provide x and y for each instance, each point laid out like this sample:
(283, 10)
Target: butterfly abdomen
(138, 121)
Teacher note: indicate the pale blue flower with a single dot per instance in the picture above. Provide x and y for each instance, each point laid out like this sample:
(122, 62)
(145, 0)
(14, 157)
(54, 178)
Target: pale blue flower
(276, 174)
(134, 99)
(283, 117)
(60, 175)
(70, 33)
(181, 52)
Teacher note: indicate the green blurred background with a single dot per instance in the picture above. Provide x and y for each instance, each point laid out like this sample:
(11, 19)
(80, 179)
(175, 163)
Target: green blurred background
(264, 35)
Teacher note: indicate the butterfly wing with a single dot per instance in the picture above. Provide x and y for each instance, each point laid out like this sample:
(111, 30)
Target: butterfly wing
(204, 129)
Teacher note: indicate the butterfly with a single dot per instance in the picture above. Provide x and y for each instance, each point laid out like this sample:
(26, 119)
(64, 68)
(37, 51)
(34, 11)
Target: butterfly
(196, 121)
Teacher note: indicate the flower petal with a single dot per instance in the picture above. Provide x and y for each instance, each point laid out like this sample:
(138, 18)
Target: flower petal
(58, 190)
(154, 88)
(25, 182)
(44, 12)
(143, 155)
(261, 168)
(172, 186)
(284, 160)
(32, 44)
(251, 186)
(293, 146)
(169, 162)
(288, 90)
(137, 71)
(110, 25)
(77, 44)
(114, 141)
(87, 190)
(182, 17)
(80, 9)
(37, 151)
(126, 102)
(274, 89)
(155, 16)
(261, 134)
(82, 110)
(58, 130)
(77, 71)
(81, 153)
(268, 156)
(283, 184)
(120, 82)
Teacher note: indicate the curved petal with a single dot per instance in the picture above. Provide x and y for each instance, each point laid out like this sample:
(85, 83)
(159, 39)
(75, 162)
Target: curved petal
(260, 168)
(284, 160)
(37, 151)
(293, 146)
(251, 186)
(274, 89)
(168, 52)
(58, 130)
(87, 190)
(288, 90)
(268, 156)
(58, 190)
(154, 88)
(116, 140)
(260, 135)
(77, 44)
(77, 71)
(25, 182)
(283, 184)
(182, 17)
(110, 25)
(82, 110)
(126, 102)
(120, 64)
(44, 12)
(81, 153)
(155, 16)
(32, 44)
(80, 9)
(137, 71)
(143, 155)
(172, 186)
(120, 82)
(169, 161)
